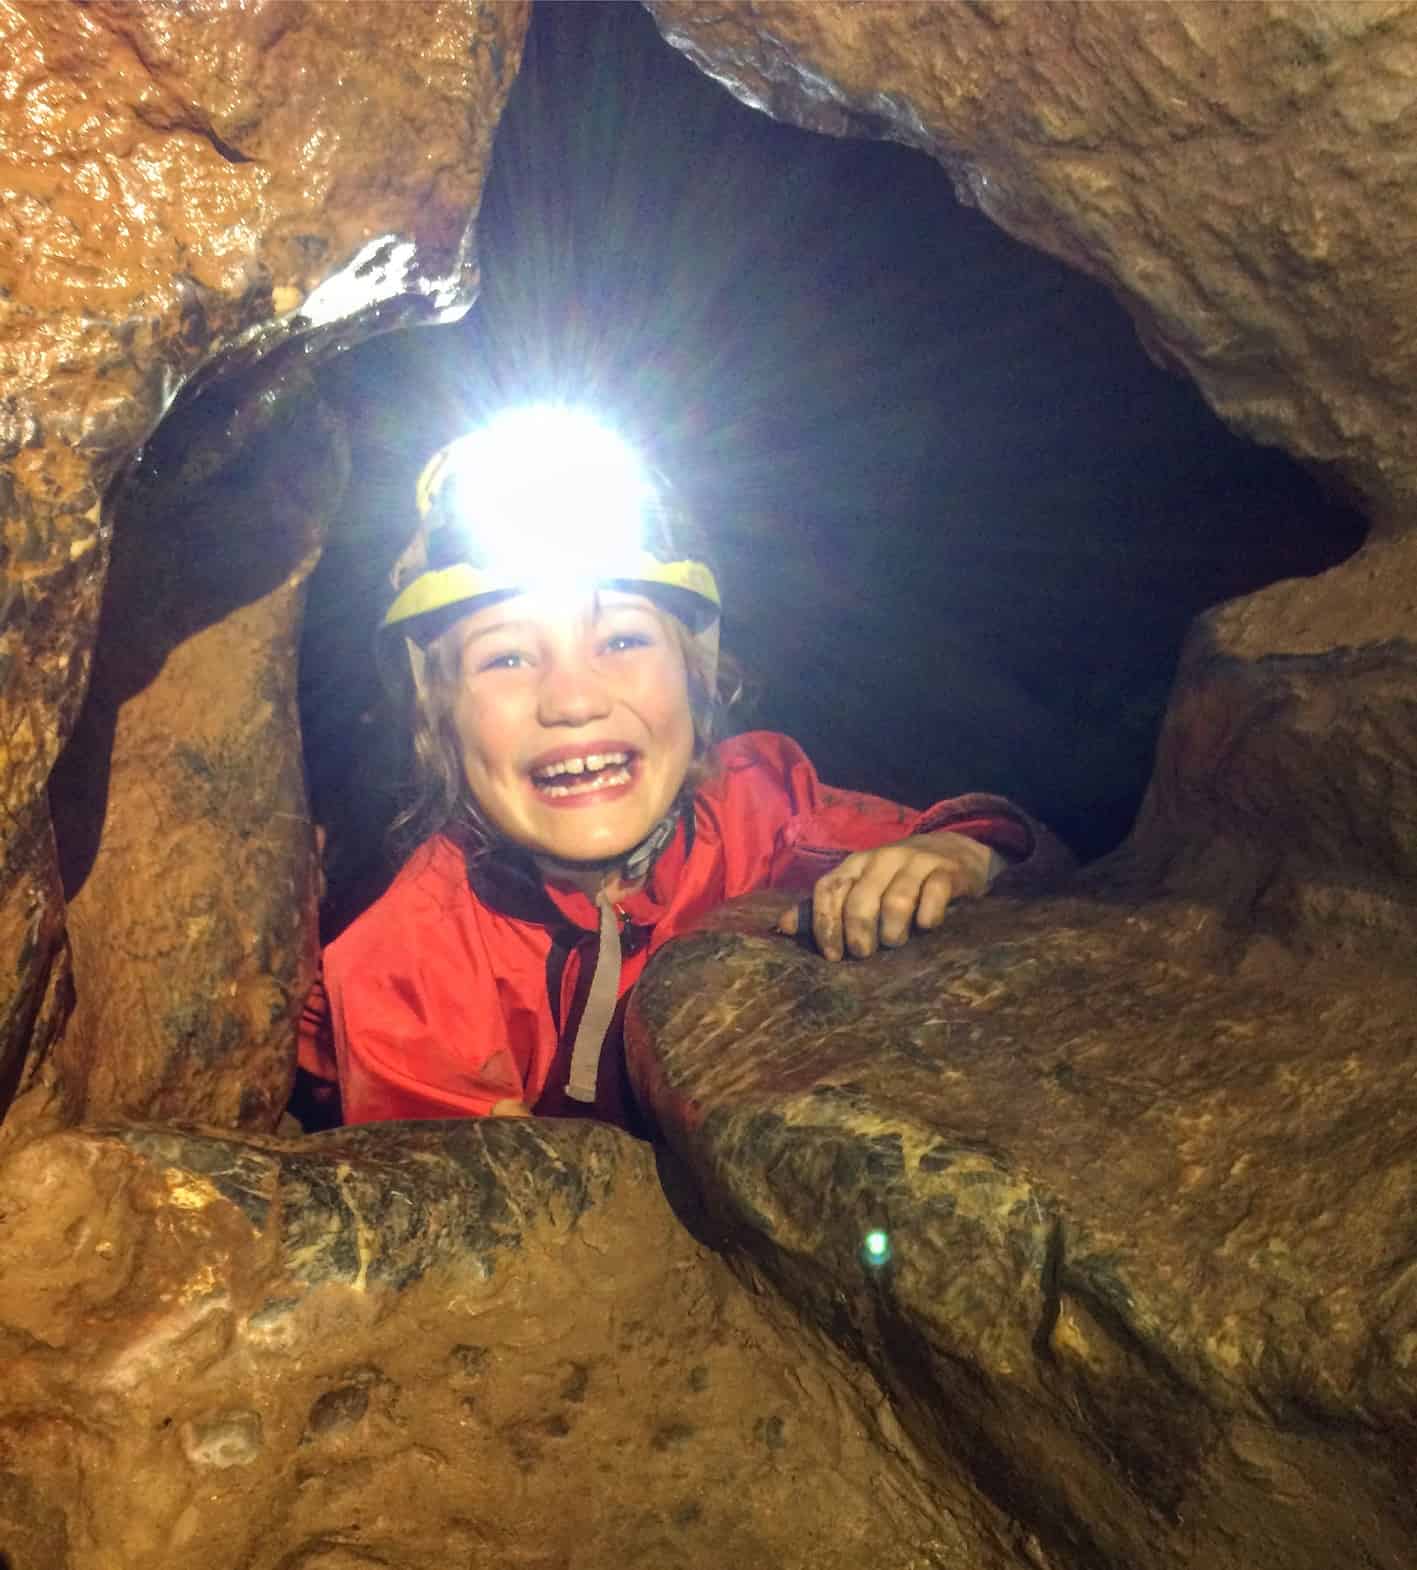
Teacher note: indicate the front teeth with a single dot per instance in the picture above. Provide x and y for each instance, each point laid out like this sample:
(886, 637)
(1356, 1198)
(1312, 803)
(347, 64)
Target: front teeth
(593, 761)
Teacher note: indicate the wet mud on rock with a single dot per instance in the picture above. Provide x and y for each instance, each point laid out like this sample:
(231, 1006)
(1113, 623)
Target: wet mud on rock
(416, 1346)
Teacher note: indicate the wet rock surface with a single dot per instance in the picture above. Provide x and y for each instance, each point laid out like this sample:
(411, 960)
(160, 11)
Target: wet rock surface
(1230, 173)
(483, 1343)
(1285, 784)
(1145, 1184)
(1078, 1235)
(185, 185)
(1141, 1150)
(179, 802)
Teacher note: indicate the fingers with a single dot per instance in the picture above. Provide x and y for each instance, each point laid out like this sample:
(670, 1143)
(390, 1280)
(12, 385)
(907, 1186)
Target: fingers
(510, 1108)
(876, 898)
(847, 904)
(888, 903)
(828, 899)
(881, 906)
(936, 892)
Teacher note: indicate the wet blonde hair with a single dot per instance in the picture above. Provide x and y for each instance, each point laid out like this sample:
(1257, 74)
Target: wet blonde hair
(425, 682)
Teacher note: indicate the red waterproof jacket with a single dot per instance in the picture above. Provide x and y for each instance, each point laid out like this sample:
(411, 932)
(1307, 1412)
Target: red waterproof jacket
(462, 985)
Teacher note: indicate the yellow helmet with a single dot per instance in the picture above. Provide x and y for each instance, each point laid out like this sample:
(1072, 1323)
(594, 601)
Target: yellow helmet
(545, 494)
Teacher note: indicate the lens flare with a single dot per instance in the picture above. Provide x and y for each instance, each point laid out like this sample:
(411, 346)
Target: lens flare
(876, 1249)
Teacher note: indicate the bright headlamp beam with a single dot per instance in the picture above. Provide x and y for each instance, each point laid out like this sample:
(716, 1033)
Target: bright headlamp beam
(548, 496)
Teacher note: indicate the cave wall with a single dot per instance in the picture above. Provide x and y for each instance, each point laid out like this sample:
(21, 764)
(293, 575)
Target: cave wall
(1242, 177)
(1142, 1147)
(1221, 167)
(179, 802)
(186, 188)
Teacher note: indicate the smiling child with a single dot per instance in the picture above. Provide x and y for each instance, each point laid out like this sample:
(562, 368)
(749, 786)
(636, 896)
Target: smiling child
(562, 632)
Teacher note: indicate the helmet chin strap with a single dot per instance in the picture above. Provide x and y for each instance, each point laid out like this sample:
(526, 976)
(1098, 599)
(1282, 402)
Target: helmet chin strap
(632, 865)
(646, 853)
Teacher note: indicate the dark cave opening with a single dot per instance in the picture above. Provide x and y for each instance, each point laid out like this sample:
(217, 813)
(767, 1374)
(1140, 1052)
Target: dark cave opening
(963, 521)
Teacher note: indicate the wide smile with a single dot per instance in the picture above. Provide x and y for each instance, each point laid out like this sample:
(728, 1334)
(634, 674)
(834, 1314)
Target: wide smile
(573, 779)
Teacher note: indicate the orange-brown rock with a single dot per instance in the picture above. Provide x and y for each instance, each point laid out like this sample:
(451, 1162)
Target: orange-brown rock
(179, 802)
(179, 185)
(1149, 1280)
(1286, 776)
(468, 1344)
(1143, 1151)
(1233, 172)
(1136, 1156)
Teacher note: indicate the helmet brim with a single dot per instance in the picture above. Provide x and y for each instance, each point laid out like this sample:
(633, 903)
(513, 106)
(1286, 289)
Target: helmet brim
(686, 589)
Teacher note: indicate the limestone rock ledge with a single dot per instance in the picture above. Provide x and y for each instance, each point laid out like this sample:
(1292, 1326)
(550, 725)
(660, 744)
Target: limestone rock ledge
(1285, 784)
(1233, 173)
(418, 1346)
(1147, 1183)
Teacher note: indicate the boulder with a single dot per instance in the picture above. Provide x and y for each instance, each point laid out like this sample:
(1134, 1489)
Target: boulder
(480, 1343)
(1114, 1199)
(186, 188)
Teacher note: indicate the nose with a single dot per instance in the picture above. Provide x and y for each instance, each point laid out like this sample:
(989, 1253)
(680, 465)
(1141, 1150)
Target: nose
(572, 692)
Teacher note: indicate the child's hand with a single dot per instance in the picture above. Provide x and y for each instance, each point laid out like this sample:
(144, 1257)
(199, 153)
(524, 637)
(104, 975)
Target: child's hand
(875, 897)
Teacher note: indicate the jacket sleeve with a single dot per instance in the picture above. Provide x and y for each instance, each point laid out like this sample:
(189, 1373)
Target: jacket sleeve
(1031, 853)
(417, 1031)
(819, 824)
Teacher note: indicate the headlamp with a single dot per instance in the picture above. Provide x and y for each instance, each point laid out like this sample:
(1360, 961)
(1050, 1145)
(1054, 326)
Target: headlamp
(544, 492)
(545, 497)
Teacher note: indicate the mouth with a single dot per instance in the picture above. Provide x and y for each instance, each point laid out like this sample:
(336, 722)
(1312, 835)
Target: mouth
(580, 776)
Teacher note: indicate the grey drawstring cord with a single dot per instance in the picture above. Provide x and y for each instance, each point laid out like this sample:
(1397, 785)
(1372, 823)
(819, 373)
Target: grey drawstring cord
(604, 991)
(600, 1004)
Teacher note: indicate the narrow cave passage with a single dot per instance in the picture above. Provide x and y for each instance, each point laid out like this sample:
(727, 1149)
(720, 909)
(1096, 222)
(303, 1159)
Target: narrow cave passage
(964, 521)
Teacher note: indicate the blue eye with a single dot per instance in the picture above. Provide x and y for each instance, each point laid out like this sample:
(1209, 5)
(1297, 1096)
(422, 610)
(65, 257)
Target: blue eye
(503, 662)
(622, 642)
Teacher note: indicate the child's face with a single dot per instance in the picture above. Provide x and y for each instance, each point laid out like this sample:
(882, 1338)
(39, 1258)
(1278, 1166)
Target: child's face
(574, 721)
